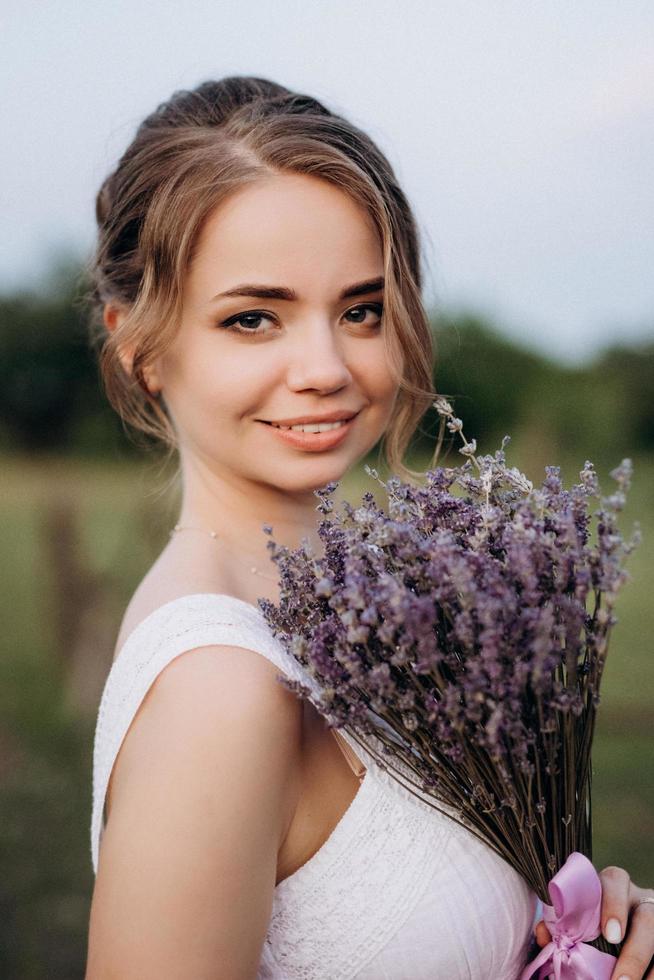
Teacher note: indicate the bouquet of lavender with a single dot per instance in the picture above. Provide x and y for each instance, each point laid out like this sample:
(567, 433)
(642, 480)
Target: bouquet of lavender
(461, 640)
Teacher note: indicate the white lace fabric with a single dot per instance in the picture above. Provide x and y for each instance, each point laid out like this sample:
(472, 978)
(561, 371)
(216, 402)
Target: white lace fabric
(398, 891)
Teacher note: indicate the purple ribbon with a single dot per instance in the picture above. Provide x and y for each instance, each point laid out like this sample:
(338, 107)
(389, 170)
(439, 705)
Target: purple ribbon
(574, 915)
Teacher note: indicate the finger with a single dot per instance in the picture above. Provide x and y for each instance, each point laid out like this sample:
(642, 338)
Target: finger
(638, 948)
(615, 903)
(542, 933)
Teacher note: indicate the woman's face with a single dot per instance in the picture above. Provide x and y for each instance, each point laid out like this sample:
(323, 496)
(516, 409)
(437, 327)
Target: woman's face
(317, 353)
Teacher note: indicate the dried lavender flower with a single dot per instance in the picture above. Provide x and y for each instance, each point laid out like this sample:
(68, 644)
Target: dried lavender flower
(461, 638)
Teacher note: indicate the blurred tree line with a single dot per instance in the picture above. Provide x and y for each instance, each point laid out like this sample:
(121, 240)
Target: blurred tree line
(51, 396)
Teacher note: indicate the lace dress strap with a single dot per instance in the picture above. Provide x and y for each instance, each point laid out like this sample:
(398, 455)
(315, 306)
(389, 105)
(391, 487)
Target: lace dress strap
(190, 621)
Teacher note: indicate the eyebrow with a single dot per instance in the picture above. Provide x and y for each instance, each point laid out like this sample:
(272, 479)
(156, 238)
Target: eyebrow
(283, 292)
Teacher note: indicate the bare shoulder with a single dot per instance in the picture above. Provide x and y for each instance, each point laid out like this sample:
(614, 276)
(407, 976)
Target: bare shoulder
(205, 785)
(225, 699)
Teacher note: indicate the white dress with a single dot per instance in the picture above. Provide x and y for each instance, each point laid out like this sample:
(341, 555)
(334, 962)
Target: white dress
(397, 891)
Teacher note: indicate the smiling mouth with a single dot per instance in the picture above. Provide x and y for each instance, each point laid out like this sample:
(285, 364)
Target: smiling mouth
(314, 427)
(311, 426)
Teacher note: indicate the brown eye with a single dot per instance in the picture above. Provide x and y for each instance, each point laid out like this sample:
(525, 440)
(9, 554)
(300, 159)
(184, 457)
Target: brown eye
(235, 322)
(248, 322)
(364, 308)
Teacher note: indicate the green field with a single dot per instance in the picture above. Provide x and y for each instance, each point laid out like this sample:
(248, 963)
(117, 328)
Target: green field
(77, 537)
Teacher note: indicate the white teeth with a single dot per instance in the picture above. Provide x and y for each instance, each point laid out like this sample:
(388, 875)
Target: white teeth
(322, 427)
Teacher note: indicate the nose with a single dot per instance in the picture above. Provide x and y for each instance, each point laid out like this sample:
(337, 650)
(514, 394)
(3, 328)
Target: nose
(318, 359)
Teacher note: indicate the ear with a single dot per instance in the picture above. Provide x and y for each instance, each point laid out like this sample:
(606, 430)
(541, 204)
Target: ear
(113, 315)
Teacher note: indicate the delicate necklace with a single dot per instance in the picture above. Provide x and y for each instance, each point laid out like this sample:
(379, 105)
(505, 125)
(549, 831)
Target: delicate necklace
(214, 534)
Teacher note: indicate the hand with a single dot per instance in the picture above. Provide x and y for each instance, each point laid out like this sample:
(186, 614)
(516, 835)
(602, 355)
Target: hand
(623, 911)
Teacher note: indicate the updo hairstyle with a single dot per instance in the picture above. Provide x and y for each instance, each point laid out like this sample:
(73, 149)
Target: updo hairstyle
(186, 158)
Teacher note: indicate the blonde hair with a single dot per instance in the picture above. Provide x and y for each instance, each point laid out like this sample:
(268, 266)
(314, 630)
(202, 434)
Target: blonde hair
(186, 158)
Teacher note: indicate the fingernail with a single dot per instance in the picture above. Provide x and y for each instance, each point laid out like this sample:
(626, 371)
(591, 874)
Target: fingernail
(613, 932)
(624, 977)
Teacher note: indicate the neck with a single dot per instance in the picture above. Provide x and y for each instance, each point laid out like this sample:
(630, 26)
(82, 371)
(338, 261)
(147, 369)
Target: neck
(237, 509)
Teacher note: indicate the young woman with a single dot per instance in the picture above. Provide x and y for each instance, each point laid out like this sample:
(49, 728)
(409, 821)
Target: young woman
(257, 290)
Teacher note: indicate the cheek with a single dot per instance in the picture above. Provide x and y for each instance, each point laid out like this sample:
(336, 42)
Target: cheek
(374, 374)
(206, 393)
(227, 384)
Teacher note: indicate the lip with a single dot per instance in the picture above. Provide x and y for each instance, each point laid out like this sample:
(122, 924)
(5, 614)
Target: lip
(313, 441)
(339, 416)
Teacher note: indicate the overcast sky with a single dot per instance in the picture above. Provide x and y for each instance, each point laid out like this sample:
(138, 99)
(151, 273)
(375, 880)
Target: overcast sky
(522, 133)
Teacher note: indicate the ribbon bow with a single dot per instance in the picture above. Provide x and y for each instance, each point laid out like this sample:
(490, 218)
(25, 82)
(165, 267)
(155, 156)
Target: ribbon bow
(574, 915)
